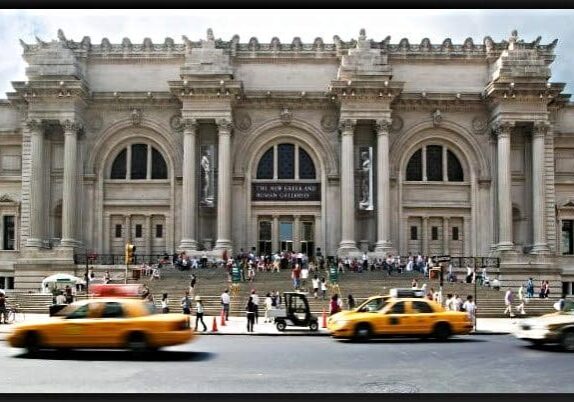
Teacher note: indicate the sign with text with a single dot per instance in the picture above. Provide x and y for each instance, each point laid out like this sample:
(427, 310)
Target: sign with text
(286, 192)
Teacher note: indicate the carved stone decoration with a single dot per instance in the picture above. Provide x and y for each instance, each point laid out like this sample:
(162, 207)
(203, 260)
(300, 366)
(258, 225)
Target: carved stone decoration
(207, 178)
(286, 116)
(397, 124)
(347, 126)
(106, 45)
(136, 117)
(502, 128)
(175, 122)
(70, 125)
(436, 118)
(242, 121)
(224, 125)
(479, 125)
(34, 125)
(11, 198)
(541, 128)
(329, 122)
(383, 125)
(366, 177)
(189, 125)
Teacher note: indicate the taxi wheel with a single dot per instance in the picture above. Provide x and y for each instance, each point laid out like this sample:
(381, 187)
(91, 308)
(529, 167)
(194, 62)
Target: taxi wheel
(567, 341)
(363, 332)
(441, 331)
(32, 343)
(137, 343)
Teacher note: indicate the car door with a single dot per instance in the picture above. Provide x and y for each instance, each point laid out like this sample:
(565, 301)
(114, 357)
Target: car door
(73, 331)
(422, 316)
(110, 327)
(395, 319)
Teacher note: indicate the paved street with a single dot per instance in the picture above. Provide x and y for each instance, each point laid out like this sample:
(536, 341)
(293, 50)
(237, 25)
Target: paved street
(479, 363)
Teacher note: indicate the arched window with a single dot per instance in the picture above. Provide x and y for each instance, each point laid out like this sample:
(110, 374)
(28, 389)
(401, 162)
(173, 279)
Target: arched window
(433, 160)
(138, 164)
(288, 164)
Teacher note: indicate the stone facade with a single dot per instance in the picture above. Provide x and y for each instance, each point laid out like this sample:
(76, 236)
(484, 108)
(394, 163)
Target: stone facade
(345, 147)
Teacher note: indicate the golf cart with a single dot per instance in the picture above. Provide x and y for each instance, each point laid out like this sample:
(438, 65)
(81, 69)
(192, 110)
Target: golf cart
(295, 312)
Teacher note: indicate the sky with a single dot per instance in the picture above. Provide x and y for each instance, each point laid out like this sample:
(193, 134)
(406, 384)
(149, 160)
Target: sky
(307, 24)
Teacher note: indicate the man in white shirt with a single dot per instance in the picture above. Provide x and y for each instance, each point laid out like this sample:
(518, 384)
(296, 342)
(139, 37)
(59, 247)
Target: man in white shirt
(304, 277)
(470, 309)
(61, 298)
(225, 300)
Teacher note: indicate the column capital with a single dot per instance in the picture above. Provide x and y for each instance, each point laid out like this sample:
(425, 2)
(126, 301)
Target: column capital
(70, 126)
(190, 126)
(224, 126)
(34, 125)
(347, 126)
(541, 128)
(383, 126)
(502, 128)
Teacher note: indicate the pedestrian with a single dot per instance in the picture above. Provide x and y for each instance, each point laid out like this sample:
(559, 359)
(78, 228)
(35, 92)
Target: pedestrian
(448, 302)
(192, 285)
(334, 307)
(304, 277)
(145, 292)
(61, 298)
(323, 288)
(470, 309)
(250, 312)
(520, 307)
(468, 274)
(546, 289)
(255, 299)
(430, 294)
(199, 310)
(225, 300)
(351, 302)
(457, 303)
(414, 284)
(69, 296)
(164, 304)
(186, 304)
(530, 288)
(268, 307)
(508, 298)
(315, 282)
(3, 312)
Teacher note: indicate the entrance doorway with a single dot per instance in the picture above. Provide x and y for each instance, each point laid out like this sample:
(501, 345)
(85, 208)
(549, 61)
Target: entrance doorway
(295, 233)
(286, 236)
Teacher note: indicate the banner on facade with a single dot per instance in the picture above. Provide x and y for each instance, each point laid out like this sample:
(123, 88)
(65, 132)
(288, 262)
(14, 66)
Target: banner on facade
(207, 179)
(286, 192)
(366, 178)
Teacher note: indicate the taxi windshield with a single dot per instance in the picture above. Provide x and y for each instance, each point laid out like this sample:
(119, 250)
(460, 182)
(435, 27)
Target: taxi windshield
(372, 305)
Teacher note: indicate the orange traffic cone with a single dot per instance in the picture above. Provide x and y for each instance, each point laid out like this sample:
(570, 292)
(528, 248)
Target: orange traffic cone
(214, 327)
(222, 318)
(324, 319)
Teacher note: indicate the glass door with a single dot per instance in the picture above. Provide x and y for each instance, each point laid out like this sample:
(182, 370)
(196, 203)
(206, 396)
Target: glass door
(264, 238)
(307, 238)
(286, 236)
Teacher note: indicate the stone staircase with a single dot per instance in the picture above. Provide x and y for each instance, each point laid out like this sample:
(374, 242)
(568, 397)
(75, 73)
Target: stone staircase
(212, 281)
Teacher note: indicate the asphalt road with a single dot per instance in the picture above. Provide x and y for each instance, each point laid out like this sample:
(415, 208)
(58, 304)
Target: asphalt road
(222, 364)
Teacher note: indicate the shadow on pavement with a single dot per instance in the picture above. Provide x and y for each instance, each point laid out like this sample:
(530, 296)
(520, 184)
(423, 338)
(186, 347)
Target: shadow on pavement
(546, 348)
(414, 340)
(118, 355)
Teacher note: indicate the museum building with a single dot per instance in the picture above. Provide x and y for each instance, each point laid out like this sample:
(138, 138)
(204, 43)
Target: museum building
(338, 148)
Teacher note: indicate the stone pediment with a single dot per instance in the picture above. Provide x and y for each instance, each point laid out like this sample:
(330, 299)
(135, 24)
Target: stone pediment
(205, 60)
(9, 198)
(364, 61)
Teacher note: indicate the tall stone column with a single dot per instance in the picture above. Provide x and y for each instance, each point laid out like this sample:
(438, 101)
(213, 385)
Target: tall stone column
(224, 186)
(297, 233)
(275, 233)
(348, 243)
(445, 236)
(189, 189)
(503, 130)
(36, 183)
(383, 188)
(69, 201)
(128, 233)
(538, 199)
(149, 231)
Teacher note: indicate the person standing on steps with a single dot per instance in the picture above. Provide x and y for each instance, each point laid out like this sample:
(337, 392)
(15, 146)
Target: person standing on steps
(225, 300)
(164, 304)
(315, 282)
(186, 304)
(521, 300)
(199, 310)
(508, 298)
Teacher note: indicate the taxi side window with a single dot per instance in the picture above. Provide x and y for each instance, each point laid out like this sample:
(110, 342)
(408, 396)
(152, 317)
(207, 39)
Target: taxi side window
(398, 308)
(421, 307)
(80, 312)
(113, 310)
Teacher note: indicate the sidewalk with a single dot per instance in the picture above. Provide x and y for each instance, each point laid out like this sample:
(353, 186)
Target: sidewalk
(238, 326)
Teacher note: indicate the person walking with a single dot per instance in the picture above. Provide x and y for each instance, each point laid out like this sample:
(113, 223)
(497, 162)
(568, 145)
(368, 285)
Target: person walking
(3, 311)
(530, 288)
(192, 284)
(315, 282)
(186, 304)
(521, 300)
(164, 304)
(225, 300)
(255, 299)
(334, 306)
(351, 302)
(323, 288)
(199, 310)
(250, 312)
(268, 307)
(508, 298)
(470, 309)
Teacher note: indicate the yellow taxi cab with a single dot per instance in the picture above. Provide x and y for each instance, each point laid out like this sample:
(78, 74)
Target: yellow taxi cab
(391, 316)
(111, 323)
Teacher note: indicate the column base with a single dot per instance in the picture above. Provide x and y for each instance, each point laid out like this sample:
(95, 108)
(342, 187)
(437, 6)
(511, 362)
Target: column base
(348, 247)
(35, 243)
(222, 244)
(541, 248)
(68, 243)
(505, 247)
(188, 245)
(384, 247)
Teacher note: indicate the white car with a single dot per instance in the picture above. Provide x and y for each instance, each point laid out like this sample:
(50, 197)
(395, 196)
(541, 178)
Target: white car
(550, 328)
